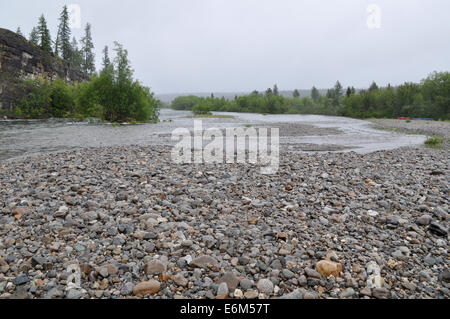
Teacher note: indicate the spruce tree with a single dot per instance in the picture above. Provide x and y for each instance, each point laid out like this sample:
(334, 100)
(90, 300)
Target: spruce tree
(315, 94)
(373, 87)
(45, 41)
(62, 44)
(296, 94)
(349, 92)
(122, 65)
(34, 37)
(275, 90)
(338, 89)
(57, 44)
(87, 49)
(76, 56)
(337, 93)
(331, 94)
(106, 59)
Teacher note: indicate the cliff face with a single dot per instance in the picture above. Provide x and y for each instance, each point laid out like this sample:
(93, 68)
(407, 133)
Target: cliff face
(20, 60)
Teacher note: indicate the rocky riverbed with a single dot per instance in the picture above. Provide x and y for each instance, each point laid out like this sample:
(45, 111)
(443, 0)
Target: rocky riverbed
(428, 128)
(126, 222)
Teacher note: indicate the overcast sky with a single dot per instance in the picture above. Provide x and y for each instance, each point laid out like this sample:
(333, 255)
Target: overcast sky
(180, 46)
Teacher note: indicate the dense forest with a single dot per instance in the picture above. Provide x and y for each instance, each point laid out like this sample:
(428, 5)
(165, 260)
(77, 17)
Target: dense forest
(430, 98)
(112, 93)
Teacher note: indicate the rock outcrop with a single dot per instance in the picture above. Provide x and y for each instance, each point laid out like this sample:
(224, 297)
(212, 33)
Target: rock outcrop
(21, 59)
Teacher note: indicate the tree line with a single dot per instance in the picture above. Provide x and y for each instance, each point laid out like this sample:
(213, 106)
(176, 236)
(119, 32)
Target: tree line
(430, 98)
(112, 93)
(65, 45)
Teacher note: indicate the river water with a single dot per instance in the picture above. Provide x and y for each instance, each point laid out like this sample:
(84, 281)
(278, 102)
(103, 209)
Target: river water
(23, 138)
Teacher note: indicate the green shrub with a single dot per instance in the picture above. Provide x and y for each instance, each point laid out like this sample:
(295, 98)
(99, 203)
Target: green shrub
(185, 102)
(115, 96)
(434, 141)
(202, 109)
(111, 95)
(62, 100)
(36, 99)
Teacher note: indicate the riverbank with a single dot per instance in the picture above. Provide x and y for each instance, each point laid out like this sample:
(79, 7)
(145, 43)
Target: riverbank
(128, 214)
(428, 128)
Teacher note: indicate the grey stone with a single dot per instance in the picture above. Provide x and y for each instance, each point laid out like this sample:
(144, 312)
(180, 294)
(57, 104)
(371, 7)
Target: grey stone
(288, 274)
(349, 292)
(380, 293)
(74, 294)
(424, 220)
(312, 273)
(246, 284)
(296, 294)
(21, 279)
(265, 286)
(203, 261)
(155, 267)
(222, 289)
(127, 289)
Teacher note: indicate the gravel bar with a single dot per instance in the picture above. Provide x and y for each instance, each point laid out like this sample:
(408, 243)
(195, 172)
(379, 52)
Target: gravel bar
(126, 222)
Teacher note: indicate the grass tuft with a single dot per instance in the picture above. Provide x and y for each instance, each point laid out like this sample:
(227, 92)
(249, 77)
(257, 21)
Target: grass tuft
(434, 142)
